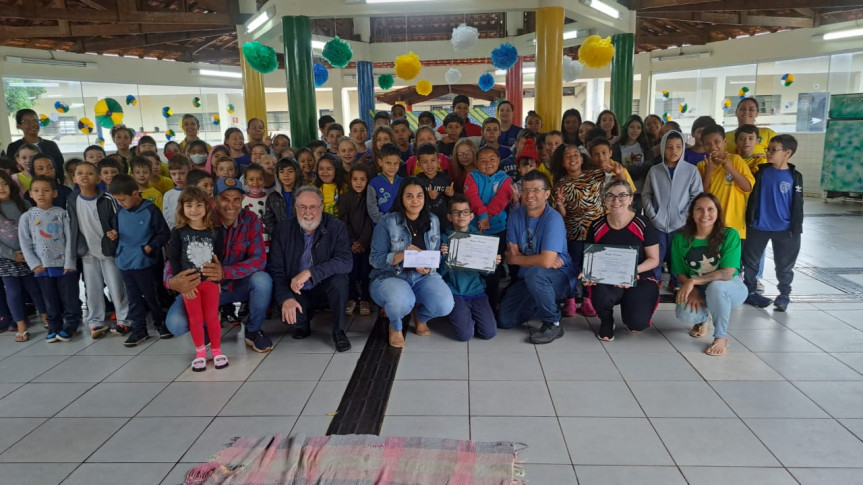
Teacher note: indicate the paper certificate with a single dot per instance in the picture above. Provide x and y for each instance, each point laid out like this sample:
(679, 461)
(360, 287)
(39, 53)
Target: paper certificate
(421, 259)
(472, 251)
(611, 265)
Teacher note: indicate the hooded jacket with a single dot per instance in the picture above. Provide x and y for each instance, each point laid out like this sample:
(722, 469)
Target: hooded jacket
(275, 207)
(666, 200)
(142, 226)
(106, 208)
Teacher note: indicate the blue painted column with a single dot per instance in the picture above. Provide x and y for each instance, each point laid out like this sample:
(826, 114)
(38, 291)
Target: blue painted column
(366, 91)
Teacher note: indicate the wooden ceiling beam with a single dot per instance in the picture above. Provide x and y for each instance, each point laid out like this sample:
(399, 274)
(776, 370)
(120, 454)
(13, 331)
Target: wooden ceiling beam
(94, 5)
(31, 11)
(145, 40)
(673, 39)
(729, 18)
(740, 5)
(642, 4)
(89, 30)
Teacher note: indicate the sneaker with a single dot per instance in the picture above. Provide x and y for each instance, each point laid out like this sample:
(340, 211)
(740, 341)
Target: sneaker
(98, 331)
(65, 336)
(341, 341)
(757, 300)
(136, 337)
(546, 334)
(351, 307)
(606, 332)
(365, 309)
(259, 342)
(229, 317)
(781, 303)
(51, 337)
(586, 308)
(569, 308)
(163, 332)
(301, 333)
(121, 329)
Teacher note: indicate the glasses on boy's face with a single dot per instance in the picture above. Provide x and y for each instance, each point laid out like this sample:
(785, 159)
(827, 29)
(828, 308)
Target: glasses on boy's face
(623, 197)
(771, 150)
(464, 213)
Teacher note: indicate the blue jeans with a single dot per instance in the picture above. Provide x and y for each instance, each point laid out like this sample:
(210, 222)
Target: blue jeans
(15, 287)
(535, 296)
(721, 298)
(257, 289)
(398, 295)
(664, 252)
(472, 314)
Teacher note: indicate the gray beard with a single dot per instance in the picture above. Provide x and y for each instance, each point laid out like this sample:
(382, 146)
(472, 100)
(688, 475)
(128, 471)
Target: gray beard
(309, 226)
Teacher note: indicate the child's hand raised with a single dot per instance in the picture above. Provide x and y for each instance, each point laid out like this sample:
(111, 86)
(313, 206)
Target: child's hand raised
(432, 193)
(450, 190)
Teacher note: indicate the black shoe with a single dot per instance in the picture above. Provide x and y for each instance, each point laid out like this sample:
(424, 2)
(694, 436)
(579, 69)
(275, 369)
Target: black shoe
(757, 300)
(229, 317)
(258, 341)
(547, 334)
(301, 333)
(136, 337)
(341, 341)
(163, 332)
(606, 332)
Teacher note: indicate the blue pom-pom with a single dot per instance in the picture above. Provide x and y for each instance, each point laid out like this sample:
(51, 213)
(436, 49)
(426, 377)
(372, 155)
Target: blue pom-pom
(321, 75)
(486, 82)
(504, 56)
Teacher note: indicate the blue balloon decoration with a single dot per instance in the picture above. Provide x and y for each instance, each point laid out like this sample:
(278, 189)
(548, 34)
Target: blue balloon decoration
(486, 82)
(504, 57)
(321, 75)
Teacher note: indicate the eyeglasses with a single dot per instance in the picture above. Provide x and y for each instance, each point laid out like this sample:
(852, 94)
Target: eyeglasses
(771, 151)
(465, 213)
(623, 196)
(308, 208)
(463, 154)
(533, 190)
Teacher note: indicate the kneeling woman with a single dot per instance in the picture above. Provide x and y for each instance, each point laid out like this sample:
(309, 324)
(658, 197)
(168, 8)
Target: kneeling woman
(705, 255)
(408, 226)
(620, 226)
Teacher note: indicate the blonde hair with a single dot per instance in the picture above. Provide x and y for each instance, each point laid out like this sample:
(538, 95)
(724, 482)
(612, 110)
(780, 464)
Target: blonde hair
(193, 194)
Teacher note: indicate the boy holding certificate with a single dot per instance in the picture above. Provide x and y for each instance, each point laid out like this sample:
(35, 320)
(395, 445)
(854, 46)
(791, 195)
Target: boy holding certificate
(472, 312)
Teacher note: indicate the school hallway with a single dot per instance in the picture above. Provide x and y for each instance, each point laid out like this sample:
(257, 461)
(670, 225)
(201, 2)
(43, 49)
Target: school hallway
(784, 406)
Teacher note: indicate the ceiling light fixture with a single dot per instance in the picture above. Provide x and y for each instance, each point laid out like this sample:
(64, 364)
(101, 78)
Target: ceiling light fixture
(50, 62)
(526, 70)
(369, 2)
(225, 74)
(603, 7)
(318, 44)
(843, 34)
(258, 21)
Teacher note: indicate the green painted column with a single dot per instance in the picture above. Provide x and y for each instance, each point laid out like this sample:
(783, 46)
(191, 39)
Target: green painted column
(622, 75)
(300, 79)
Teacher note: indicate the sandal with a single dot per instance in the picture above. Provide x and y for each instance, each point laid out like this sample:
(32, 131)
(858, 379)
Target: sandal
(199, 364)
(22, 336)
(699, 330)
(717, 349)
(220, 361)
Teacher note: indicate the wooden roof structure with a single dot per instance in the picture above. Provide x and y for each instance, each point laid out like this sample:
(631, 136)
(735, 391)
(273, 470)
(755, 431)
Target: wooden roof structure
(408, 95)
(205, 30)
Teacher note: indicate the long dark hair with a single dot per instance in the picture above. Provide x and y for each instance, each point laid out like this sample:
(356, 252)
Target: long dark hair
(642, 139)
(566, 138)
(339, 177)
(14, 193)
(398, 206)
(615, 130)
(558, 171)
(717, 234)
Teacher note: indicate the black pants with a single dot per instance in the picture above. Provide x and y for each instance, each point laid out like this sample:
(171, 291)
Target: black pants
(786, 247)
(61, 301)
(359, 287)
(492, 280)
(332, 293)
(141, 291)
(637, 304)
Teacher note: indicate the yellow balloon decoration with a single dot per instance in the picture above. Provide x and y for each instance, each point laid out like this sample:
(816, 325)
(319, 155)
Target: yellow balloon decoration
(424, 87)
(407, 66)
(596, 52)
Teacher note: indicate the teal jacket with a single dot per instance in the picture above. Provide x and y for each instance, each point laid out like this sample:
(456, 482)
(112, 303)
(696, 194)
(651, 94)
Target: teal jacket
(463, 282)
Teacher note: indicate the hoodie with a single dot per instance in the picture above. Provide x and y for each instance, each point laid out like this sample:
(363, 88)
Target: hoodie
(141, 226)
(665, 198)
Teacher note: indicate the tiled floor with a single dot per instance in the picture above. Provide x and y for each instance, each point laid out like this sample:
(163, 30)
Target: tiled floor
(784, 406)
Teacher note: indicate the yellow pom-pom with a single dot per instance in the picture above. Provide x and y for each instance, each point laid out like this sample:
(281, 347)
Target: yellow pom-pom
(407, 66)
(424, 87)
(596, 52)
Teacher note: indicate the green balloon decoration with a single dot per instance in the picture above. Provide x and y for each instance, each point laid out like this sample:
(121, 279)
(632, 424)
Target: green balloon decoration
(260, 57)
(385, 81)
(337, 52)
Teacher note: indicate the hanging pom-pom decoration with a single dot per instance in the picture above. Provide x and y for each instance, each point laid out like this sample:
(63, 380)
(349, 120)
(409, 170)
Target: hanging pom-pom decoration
(596, 52)
(464, 38)
(385, 81)
(109, 113)
(100, 141)
(504, 57)
(260, 57)
(486, 82)
(170, 134)
(231, 108)
(61, 107)
(744, 91)
(788, 79)
(665, 94)
(407, 66)
(337, 52)
(726, 105)
(131, 100)
(44, 120)
(423, 87)
(321, 74)
(666, 116)
(196, 102)
(85, 126)
(216, 119)
(453, 76)
(683, 108)
(54, 117)
(167, 112)
(571, 69)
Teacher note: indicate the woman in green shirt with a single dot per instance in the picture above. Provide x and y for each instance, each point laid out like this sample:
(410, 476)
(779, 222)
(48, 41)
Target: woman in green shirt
(705, 256)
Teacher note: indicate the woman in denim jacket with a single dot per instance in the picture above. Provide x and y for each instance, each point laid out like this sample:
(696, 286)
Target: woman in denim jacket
(408, 226)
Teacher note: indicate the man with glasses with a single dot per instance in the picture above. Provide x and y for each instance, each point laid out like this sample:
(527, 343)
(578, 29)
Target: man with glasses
(310, 262)
(536, 243)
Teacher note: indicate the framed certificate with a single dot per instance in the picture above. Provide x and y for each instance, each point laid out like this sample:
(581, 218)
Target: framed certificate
(472, 251)
(421, 259)
(608, 264)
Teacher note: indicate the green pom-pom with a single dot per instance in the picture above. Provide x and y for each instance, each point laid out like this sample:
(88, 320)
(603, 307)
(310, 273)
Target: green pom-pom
(260, 57)
(337, 52)
(385, 81)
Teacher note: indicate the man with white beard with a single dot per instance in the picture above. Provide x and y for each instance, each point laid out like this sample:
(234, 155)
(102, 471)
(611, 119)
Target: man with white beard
(310, 261)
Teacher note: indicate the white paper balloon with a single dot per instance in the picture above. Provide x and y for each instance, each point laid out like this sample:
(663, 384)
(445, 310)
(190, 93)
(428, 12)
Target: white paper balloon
(571, 69)
(453, 76)
(464, 38)
(54, 117)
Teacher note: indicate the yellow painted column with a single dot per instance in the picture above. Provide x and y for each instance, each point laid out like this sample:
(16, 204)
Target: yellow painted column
(253, 93)
(549, 65)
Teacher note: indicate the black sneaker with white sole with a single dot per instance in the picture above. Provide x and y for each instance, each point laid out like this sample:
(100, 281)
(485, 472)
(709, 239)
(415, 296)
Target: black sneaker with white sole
(135, 338)
(548, 333)
(163, 331)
